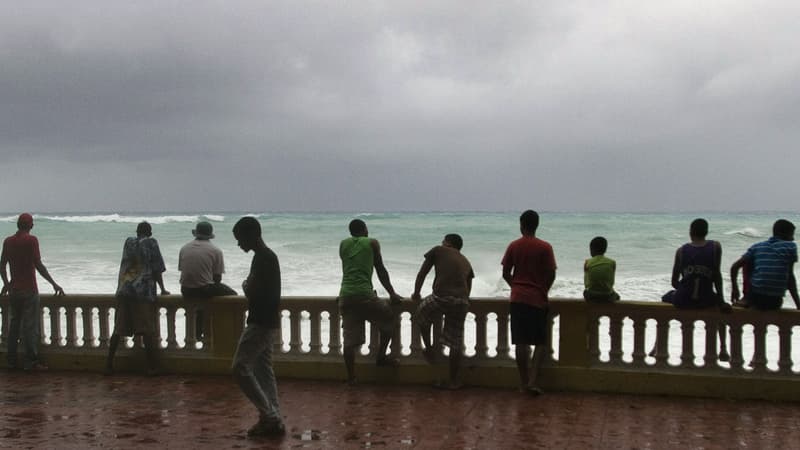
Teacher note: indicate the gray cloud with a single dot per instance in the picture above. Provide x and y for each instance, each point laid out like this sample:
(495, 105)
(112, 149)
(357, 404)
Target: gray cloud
(399, 105)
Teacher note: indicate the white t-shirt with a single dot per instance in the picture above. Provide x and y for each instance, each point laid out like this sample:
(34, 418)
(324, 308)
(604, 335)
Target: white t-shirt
(199, 261)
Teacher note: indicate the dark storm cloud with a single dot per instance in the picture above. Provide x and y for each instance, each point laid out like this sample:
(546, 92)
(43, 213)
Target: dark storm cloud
(399, 105)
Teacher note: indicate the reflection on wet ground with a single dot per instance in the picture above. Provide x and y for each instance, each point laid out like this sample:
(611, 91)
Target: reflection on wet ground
(73, 410)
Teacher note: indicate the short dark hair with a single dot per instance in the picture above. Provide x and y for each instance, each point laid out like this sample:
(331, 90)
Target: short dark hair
(247, 228)
(144, 229)
(782, 228)
(529, 220)
(454, 240)
(598, 245)
(357, 227)
(698, 228)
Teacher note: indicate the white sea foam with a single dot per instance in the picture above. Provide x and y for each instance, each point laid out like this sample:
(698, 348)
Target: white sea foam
(214, 217)
(746, 232)
(118, 218)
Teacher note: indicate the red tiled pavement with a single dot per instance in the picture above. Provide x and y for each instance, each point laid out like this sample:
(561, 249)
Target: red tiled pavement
(75, 410)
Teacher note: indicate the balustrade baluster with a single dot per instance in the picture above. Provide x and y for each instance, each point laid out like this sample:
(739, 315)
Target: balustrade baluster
(502, 337)
(55, 328)
(172, 339)
(315, 346)
(593, 323)
(481, 346)
(295, 340)
(687, 343)
(416, 339)
(190, 325)
(639, 326)
(785, 361)
(615, 330)
(396, 346)
(335, 330)
(88, 326)
(72, 335)
(759, 362)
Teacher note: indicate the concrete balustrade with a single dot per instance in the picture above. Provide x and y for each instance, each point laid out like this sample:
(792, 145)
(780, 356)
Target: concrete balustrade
(603, 348)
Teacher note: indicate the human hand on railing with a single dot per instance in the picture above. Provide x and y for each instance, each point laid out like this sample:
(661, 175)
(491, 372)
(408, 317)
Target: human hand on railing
(416, 297)
(59, 291)
(164, 292)
(394, 297)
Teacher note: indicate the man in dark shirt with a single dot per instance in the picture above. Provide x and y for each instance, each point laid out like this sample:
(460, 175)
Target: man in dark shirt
(252, 364)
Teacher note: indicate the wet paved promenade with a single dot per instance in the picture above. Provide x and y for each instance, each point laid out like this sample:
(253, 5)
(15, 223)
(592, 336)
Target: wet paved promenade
(73, 410)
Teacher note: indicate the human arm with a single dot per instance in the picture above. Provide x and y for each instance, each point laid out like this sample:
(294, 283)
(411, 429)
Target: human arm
(793, 287)
(380, 270)
(735, 267)
(160, 280)
(46, 275)
(423, 272)
(676, 270)
(3, 265)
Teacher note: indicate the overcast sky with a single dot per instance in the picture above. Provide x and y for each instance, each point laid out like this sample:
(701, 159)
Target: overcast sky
(380, 106)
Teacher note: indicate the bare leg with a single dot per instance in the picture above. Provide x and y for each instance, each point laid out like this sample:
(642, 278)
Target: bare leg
(455, 365)
(538, 357)
(522, 354)
(724, 356)
(112, 350)
(152, 354)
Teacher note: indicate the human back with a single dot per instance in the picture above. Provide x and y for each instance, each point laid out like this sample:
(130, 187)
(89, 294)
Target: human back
(357, 266)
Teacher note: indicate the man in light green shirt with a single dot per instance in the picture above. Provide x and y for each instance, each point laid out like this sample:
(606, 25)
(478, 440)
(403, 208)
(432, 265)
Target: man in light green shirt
(598, 273)
(358, 301)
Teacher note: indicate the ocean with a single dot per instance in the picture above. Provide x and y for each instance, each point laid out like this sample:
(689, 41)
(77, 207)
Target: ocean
(82, 250)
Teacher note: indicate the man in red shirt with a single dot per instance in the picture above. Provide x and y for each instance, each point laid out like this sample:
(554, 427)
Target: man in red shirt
(21, 253)
(529, 267)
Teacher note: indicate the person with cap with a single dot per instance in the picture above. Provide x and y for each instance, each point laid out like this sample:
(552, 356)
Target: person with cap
(21, 254)
(201, 265)
(139, 272)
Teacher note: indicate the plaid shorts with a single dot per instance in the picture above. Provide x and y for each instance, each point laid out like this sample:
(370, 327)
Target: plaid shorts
(454, 310)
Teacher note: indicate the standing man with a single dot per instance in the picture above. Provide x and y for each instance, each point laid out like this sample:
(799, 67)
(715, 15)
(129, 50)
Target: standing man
(21, 253)
(529, 267)
(252, 363)
(771, 265)
(451, 288)
(201, 265)
(139, 272)
(358, 301)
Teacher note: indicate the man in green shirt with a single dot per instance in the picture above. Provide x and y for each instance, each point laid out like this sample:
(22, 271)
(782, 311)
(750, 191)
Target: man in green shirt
(359, 302)
(598, 273)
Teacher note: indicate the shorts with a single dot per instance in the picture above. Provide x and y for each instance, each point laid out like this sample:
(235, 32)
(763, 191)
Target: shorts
(355, 309)
(764, 302)
(134, 317)
(454, 310)
(528, 324)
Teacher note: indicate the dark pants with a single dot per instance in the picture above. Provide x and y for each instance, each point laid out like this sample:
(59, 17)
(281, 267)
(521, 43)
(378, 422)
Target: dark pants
(204, 293)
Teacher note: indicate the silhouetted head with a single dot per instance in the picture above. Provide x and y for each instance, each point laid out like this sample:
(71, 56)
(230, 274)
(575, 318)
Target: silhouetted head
(25, 222)
(598, 246)
(454, 240)
(247, 232)
(783, 229)
(698, 229)
(144, 230)
(529, 222)
(358, 228)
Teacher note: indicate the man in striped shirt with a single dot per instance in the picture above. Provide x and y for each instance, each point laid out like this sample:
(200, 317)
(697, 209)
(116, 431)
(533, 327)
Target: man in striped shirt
(772, 269)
